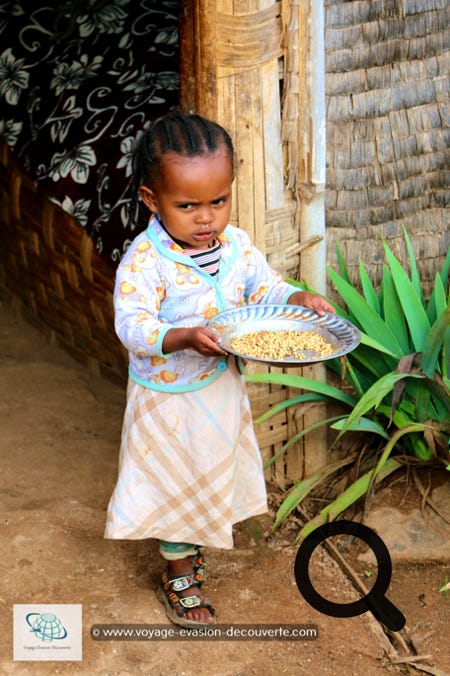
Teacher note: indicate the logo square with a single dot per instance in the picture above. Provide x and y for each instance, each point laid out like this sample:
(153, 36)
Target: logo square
(50, 632)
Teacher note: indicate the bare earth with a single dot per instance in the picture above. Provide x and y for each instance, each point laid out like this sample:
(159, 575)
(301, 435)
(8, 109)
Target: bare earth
(60, 430)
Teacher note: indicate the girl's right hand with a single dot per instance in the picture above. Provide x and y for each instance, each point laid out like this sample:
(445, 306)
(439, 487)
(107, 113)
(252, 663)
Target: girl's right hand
(198, 338)
(205, 341)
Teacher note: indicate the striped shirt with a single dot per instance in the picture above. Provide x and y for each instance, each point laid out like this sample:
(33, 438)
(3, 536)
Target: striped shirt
(207, 259)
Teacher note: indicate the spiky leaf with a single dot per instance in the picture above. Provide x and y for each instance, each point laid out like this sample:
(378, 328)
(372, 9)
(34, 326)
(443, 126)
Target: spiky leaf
(365, 316)
(374, 396)
(411, 302)
(347, 498)
(433, 343)
(303, 383)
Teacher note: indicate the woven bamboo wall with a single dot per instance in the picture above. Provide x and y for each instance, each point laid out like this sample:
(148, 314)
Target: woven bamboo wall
(50, 267)
(388, 116)
(249, 105)
(232, 70)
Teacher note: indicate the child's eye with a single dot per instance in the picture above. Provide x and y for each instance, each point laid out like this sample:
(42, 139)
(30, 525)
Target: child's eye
(219, 201)
(185, 207)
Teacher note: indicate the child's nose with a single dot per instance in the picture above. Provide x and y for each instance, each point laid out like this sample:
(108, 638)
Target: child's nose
(205, 216)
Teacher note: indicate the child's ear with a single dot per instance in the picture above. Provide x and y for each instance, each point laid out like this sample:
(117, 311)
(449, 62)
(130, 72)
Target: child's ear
(149, 198)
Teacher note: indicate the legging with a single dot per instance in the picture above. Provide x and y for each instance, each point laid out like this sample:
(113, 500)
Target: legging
(171, 551)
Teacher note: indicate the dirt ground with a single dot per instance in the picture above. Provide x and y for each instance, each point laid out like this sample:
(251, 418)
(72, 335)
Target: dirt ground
(60, 430)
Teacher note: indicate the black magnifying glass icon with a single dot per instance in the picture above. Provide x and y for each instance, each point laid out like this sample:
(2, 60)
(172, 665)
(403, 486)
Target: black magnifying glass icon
(374, 601)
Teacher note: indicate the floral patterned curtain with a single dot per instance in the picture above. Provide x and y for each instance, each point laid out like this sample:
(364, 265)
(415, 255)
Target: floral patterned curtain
(79, 80)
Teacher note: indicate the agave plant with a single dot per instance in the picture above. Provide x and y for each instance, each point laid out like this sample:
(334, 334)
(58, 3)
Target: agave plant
(399, 378)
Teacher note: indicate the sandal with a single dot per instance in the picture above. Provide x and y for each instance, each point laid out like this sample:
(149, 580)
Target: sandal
(177, 606)
(199, 566)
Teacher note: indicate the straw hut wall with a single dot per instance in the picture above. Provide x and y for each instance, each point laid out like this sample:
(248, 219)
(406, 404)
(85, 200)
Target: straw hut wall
(388, 116)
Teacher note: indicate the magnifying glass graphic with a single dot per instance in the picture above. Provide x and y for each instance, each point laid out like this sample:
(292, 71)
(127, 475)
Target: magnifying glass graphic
(374, 601)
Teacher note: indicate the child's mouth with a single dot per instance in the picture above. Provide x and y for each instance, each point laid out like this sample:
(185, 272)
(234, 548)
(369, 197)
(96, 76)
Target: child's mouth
(203, 236)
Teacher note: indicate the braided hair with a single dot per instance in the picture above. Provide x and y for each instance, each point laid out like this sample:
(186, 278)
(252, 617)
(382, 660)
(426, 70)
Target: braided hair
(188, 135)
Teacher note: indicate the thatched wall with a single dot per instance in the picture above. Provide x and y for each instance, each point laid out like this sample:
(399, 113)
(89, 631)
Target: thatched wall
(387, 66)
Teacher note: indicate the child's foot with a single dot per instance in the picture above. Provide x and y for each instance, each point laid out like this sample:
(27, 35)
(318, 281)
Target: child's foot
(184, 567)
(180, 593)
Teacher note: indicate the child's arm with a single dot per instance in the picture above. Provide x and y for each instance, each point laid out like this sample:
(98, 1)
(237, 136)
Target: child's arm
(198, 338)
(265, 285)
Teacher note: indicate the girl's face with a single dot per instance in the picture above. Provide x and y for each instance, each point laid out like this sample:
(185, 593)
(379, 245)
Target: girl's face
(192, 196)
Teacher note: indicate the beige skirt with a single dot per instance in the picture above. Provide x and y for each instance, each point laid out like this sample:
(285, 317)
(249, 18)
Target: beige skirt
(189, 465)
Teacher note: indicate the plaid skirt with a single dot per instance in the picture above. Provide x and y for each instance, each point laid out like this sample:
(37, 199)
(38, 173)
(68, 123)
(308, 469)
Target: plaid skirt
(189, 465)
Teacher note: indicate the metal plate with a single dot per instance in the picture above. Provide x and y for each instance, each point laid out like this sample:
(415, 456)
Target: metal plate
(338, 332)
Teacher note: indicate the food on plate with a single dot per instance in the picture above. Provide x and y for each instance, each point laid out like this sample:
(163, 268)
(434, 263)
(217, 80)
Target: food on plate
(279, 345)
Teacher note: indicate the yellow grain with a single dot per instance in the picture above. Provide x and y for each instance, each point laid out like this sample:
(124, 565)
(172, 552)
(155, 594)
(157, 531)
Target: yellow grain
(279, 345)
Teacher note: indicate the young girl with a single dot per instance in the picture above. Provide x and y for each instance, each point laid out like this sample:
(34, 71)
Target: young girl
(189, 462)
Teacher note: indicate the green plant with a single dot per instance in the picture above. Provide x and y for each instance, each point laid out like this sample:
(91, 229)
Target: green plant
(444, 587)
(399, 377)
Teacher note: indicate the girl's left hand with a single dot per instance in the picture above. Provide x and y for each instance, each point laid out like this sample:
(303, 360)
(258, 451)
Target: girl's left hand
(311, 301)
